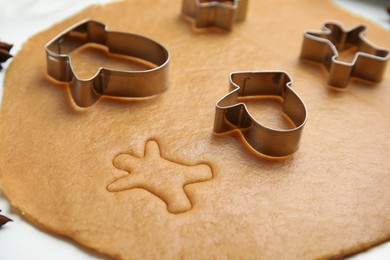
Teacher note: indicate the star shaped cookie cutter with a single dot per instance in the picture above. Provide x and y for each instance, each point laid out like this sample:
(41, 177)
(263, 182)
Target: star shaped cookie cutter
(231, 114)
(369, 62)
(215, 13)
(107, 82)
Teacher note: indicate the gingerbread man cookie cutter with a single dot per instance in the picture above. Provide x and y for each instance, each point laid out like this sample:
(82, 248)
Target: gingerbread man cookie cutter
(215, 13)
(108, 82)
(231, 114)
(369, 62)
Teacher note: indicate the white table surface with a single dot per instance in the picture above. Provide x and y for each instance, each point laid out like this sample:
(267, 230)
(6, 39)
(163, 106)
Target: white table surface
(20, 19)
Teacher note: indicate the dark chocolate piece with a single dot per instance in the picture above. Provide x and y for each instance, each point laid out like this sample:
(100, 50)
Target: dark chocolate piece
(4, 220)
(4, 54)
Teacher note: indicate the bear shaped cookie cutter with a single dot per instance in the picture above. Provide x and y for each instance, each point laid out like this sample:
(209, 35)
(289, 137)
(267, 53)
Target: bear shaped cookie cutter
(231, 114)
(108, 82)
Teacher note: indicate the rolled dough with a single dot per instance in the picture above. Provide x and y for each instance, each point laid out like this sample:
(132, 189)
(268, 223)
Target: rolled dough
(149, 179)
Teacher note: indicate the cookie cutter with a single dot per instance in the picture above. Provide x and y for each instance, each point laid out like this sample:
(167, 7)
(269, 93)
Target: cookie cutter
(231, 114)
(369, 62)
(108, 82)
(215, 13)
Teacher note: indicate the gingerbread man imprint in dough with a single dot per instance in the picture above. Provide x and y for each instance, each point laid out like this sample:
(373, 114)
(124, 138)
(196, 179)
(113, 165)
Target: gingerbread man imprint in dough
(160, 176)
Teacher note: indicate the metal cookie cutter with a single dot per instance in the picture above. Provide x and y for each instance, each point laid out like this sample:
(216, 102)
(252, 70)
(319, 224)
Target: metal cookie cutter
(230, 114)
(215, 13)
(117, 83)
(369, 62)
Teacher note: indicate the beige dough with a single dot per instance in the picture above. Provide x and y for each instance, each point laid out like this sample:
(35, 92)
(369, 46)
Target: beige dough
(149, 179)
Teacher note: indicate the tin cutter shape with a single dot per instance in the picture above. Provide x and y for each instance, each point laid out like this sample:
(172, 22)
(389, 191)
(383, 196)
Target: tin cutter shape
(215, 13)
(107, 82)
(369, 62)
(231, 114)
